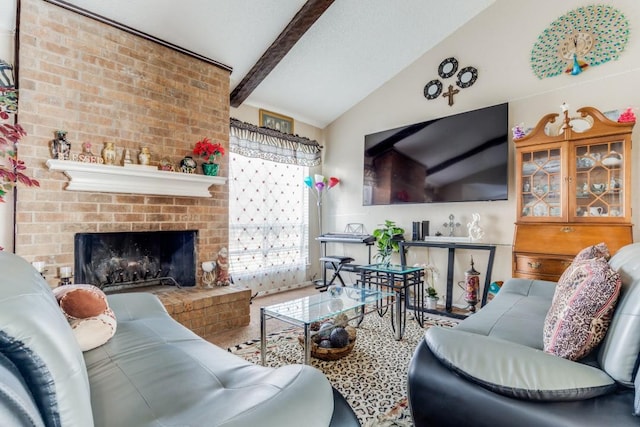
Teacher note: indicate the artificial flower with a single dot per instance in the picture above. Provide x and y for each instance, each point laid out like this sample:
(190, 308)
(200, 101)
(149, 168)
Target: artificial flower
(208, 150)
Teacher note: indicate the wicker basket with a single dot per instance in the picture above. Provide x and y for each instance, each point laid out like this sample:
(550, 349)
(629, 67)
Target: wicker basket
(331, 353)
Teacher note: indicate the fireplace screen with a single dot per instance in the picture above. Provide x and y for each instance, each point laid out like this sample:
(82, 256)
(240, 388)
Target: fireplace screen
(121, 260)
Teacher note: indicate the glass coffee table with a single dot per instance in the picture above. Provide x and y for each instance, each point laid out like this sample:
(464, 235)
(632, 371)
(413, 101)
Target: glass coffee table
(302, 312)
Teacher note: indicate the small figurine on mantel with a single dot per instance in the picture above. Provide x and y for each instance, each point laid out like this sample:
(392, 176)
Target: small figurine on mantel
(60, 147)
(109, 153)
(144, 156)
(222, 268)
(127, 158)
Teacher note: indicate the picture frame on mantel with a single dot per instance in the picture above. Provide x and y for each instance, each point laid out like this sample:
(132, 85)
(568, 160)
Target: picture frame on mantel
(271, 120)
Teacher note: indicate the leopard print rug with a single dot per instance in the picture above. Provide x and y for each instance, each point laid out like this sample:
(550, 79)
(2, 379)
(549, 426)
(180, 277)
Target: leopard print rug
(372, 377)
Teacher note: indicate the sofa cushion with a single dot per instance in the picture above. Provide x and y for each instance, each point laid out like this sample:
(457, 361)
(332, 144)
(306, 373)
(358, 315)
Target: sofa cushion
(36, 338)
(516, 370)
(581, 309)
(156, 372)
(516, 314)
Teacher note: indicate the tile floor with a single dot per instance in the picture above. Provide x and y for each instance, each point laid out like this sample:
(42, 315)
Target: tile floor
(229, 338)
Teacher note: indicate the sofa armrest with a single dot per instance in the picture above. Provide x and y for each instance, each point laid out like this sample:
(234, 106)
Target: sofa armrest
(516, 370)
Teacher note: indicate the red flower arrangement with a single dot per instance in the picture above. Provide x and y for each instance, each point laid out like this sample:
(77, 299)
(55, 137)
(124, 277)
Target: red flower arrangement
(208, 150)
(627, 117)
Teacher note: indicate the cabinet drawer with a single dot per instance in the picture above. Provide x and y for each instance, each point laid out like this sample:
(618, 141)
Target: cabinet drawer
(540, 266)
(569, 238)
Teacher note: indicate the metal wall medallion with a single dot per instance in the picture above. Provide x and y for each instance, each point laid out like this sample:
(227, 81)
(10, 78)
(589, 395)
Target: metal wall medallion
(448, 67)
(433, 89)
(467, 77)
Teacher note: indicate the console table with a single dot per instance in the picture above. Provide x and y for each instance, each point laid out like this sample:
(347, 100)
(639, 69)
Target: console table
(451, 247)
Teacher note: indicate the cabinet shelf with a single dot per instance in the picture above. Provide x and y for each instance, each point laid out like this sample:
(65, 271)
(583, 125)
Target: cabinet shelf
(133, 180)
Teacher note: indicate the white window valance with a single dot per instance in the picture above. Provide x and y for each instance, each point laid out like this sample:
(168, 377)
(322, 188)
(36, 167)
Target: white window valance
(252, 141)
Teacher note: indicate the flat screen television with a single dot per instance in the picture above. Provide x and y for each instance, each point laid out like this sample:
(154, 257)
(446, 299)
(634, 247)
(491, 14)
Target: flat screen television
(458, 158)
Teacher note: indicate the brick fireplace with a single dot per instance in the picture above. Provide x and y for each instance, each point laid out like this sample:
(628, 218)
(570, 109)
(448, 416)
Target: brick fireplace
(101, 84)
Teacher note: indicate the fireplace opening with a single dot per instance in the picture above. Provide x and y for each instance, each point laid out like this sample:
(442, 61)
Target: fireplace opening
(124, 260)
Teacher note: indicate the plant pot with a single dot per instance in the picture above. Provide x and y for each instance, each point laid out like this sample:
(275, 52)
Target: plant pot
(210, 169)
(431, 303)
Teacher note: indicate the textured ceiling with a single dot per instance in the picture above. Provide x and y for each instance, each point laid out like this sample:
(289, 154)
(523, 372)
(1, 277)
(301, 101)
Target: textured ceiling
(353, 49)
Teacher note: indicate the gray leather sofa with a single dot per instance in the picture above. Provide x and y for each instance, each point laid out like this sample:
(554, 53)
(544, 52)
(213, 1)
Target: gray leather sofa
(490, 370)
(153, 372)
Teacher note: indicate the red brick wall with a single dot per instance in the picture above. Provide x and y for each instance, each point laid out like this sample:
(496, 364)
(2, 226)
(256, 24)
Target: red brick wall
(101, 84)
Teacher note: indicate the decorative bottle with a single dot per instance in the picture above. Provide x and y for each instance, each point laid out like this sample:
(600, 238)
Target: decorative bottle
(109, 154)
(188, 165)
(144, 156)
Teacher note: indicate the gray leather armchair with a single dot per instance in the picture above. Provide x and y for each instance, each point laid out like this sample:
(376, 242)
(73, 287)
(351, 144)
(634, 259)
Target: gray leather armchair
(491, 371)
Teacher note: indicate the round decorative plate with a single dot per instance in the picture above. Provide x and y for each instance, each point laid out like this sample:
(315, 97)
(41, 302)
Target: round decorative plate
(433, 89)
(448, 67)
(467, 77)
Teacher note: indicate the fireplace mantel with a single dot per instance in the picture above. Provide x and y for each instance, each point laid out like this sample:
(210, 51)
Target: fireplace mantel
(135, 180)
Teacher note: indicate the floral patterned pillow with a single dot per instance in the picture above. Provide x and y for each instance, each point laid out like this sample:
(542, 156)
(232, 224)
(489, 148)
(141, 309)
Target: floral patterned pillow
(601, 250)
(581, 310)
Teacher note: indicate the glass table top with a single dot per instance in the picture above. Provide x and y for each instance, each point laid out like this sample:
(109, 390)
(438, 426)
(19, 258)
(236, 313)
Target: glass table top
(326, 304)
(391, 268)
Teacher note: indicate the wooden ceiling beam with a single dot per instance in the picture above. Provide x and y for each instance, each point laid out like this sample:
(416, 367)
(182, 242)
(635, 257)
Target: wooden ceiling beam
(301, 22)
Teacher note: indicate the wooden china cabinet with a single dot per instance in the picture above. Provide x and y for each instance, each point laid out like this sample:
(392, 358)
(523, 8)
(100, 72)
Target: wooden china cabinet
(573, 186)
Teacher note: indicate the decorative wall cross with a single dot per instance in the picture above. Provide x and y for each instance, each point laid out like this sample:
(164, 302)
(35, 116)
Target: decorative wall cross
(450, 94)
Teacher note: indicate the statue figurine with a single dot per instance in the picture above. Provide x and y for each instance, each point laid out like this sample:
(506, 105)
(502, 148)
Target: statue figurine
(109, 153)
(144, 156)
(222, 268)
(60, 147)
(476, 233)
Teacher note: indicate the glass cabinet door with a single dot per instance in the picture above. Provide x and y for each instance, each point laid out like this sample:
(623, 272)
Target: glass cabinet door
(599, 180)
(541, 179)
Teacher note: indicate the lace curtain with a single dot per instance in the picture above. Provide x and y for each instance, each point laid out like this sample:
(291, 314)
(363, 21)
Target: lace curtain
(268, 207)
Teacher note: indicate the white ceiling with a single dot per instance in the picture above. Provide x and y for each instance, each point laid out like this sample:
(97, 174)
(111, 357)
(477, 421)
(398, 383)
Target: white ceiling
(353, 49)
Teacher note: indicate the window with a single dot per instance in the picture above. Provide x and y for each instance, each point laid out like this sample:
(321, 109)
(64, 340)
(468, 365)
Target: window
(268, 216)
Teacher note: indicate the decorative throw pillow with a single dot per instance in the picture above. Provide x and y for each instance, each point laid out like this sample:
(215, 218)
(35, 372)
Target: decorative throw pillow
(601, 250)
(81, 301)
(94, 331)
(88, 313)
(581, 309)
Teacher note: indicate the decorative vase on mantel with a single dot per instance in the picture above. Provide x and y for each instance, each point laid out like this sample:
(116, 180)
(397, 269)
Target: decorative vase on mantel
(210, 169)
(188, 165)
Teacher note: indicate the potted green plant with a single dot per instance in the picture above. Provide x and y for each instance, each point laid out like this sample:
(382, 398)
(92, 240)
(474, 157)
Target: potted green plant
(387, 238)
(432, 298)
(430, 274)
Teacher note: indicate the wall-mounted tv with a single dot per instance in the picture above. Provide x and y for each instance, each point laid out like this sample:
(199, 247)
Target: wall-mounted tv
(458, 158)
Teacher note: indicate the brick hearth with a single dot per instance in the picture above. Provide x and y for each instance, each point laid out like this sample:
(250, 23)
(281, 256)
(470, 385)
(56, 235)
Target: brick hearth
(208, 310)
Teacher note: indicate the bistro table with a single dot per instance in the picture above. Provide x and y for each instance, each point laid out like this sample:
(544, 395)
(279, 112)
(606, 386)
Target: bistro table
(406, 283)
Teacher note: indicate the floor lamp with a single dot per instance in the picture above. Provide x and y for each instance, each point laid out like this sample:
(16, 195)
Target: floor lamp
(319, 185)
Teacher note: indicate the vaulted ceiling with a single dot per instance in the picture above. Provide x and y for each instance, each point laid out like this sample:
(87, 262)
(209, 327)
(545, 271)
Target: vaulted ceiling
(312, 60)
